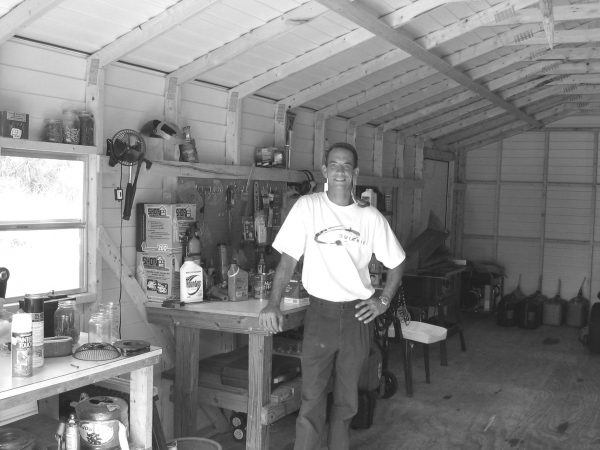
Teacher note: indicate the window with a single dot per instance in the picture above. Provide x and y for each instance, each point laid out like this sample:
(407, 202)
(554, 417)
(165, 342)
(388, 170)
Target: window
(44, 222)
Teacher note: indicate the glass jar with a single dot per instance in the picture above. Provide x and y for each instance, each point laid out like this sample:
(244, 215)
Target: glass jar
(66, 320)
(54, 130)
(112, 311)
(86, 128)
(70, 127)
(99, 328)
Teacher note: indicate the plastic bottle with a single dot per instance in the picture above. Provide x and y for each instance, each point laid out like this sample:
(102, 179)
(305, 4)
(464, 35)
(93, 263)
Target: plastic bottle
(72, 434)
(191, 280)
(262, 267)
(237, 283)
(22, 345)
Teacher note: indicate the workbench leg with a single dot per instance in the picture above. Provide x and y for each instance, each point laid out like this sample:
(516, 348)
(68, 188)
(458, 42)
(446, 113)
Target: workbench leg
(260, 352)
(187, 344)
(140, 408)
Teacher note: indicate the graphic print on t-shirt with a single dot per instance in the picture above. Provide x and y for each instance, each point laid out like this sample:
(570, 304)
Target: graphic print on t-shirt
(338, 235)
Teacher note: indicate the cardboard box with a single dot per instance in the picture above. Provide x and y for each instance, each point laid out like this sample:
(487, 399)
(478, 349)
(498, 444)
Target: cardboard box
(158, 274)
(162, 226)
(14, 125)
(295, 294)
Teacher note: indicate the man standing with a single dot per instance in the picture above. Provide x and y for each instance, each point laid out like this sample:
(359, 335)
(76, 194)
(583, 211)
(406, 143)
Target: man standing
(337, 238)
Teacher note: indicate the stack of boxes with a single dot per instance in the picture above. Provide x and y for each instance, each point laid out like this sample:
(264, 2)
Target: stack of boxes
(160, 240)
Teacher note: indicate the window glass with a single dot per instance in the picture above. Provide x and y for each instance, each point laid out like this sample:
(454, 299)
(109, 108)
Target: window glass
(43, 222)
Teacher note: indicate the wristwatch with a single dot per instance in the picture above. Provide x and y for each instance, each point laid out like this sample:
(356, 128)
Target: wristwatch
(385, 300)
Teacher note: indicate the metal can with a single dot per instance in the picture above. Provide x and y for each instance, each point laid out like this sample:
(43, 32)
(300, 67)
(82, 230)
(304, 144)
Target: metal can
(99, 419)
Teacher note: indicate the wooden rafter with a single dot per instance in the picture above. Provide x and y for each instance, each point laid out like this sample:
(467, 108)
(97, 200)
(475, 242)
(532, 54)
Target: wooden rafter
(384, 89)
(278, 26)
(362, 16)
(548, 21)
(548, 116)
(464, 135)
(157, 25)
(22, 15)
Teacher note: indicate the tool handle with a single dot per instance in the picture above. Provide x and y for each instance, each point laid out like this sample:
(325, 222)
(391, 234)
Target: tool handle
(129, 192)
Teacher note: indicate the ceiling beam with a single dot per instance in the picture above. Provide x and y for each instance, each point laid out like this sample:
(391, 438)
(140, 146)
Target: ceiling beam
(551, 115)
(501, 121)
(362, 16)
(22, 15)
(305, 60)
(150, 29)
(396, 18)
(421, 127)
(276, 27)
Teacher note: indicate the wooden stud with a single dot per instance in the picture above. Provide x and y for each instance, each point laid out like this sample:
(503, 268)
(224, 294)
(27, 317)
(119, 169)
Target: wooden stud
(319, 141)
(378, 153)
(234, 123)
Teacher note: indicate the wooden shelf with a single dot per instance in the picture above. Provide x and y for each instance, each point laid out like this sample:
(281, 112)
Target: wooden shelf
(47, 147)
(236, 399)
(203, 170)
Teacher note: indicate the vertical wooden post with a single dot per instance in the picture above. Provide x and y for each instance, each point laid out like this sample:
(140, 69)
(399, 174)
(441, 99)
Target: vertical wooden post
(351, 133)
(459, 214)
(418, 190)
(542, 242)
(500, 149)
(260, 353)
(280, 132)
(94, 103)
(594, 211)
(234, 124)
(186, 380)
(141, 407)
(378, 153)
(319, 141)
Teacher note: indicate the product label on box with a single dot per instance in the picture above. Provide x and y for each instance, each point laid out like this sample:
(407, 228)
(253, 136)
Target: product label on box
(158, 274)
(165, 225)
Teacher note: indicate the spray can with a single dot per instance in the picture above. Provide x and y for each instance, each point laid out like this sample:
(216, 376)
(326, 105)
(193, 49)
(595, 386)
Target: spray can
(34, 305)
(72, 434)
(21, 345)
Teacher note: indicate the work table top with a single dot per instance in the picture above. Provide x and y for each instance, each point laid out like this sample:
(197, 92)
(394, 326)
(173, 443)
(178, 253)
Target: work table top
(239, 317)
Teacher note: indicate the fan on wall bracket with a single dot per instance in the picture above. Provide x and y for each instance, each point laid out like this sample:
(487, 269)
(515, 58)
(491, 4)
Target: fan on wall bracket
(127, 147)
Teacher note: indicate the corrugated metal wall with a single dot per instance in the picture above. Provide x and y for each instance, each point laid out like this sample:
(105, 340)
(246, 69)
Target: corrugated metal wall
(531, 205)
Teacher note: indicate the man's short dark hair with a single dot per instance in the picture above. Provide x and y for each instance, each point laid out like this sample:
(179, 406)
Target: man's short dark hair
(345, 146)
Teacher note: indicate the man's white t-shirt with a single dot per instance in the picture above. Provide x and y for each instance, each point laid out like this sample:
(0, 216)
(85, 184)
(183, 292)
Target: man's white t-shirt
(337, 243)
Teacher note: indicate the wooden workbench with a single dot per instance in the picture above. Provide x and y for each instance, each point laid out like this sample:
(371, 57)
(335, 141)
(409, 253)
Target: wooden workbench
(65, 373)
(234, 317)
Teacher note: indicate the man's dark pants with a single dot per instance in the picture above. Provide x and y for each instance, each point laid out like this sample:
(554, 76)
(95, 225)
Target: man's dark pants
(336, 344)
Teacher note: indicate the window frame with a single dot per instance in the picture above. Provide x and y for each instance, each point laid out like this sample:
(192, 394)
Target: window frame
(91, 205)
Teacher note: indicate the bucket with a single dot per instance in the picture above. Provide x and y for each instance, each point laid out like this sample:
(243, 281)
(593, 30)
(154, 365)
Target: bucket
(195, 443)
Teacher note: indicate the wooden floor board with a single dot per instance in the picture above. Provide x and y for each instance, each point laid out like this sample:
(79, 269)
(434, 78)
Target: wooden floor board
(513, 389)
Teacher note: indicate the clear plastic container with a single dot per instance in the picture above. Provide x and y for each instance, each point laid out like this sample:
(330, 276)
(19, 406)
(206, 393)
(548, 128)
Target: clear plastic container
(70, 123)
(100, 328)
(66, 320)
(113, 312)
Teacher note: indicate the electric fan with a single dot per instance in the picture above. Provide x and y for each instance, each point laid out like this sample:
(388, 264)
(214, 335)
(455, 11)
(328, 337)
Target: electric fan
(127, 147)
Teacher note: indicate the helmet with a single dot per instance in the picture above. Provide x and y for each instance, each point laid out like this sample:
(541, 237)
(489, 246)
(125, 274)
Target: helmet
(161, 129)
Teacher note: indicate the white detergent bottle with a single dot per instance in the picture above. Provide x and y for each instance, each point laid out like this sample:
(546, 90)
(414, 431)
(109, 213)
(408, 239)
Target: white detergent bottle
(190, 280)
